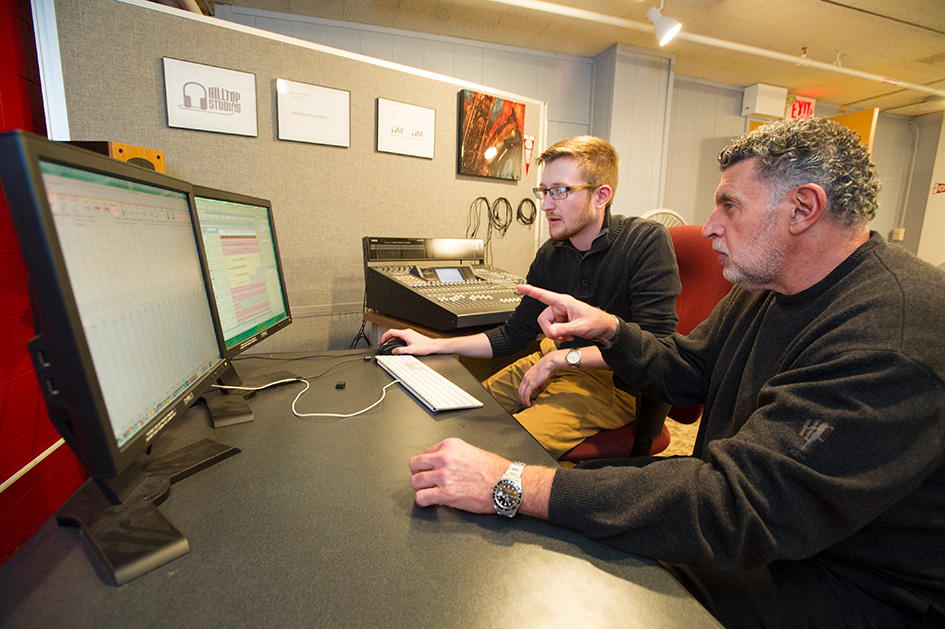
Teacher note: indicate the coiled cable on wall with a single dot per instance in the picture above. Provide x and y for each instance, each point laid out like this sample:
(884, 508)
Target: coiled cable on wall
(500, 216)
(521, 216)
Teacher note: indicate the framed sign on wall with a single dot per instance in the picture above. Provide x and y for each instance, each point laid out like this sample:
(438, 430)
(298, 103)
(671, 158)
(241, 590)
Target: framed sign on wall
(208, 98)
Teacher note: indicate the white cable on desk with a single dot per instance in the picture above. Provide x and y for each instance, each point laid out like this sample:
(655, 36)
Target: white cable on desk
(307, 385)
(297, 414)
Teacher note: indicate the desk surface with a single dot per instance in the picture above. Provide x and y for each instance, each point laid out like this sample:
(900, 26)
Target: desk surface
(314, 523)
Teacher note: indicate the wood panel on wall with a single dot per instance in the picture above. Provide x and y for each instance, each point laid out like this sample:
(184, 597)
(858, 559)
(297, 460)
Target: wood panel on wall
(325, 199)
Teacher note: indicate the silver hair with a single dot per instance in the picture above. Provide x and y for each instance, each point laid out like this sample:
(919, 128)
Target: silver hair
(812, 150)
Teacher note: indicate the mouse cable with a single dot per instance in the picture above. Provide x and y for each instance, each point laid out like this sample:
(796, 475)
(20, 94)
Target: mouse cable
(282, 358)
(365, 410)
(359, 359)
(259, 388)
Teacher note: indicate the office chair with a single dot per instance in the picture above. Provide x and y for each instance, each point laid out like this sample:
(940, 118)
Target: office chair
(702, 288)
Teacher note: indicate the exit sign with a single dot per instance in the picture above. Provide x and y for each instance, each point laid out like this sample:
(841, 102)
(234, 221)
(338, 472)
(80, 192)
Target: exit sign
(800, 107)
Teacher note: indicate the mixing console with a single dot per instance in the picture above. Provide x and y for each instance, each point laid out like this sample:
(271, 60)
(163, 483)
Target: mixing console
(437, 283)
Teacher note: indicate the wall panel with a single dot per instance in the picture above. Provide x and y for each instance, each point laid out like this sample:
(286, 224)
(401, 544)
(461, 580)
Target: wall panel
(325, 198)
(703, 117)
(561, 81)
(25, 430)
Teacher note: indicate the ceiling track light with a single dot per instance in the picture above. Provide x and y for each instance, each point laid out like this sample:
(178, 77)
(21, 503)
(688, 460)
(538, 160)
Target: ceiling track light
(693, 38)
(665, 27)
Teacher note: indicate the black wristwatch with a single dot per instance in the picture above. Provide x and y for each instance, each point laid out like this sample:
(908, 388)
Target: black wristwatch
(507, 493)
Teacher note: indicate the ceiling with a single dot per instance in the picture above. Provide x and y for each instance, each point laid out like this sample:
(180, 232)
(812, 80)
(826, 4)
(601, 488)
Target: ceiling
(903, 41)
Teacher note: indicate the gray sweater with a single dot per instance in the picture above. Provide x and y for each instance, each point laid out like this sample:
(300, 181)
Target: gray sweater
(823, 437)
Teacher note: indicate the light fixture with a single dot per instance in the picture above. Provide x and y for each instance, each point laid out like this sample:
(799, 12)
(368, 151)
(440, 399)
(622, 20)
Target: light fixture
(664, 27)
(694, 38)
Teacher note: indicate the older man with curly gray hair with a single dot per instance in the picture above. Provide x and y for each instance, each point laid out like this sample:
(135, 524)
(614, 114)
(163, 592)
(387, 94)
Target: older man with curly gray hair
(815, 496)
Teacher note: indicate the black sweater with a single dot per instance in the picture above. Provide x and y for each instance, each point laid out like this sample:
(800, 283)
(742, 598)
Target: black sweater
(630, 271)
(823, 437)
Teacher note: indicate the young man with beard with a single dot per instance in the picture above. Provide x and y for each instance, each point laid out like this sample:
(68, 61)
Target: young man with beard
(625, 266)
(815, 496)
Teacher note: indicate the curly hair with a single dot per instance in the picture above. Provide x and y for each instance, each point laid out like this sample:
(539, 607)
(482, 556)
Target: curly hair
(812, 150)
(597, 159)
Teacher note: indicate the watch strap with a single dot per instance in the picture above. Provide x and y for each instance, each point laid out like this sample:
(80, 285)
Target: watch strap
(514, 472)
(512, 478)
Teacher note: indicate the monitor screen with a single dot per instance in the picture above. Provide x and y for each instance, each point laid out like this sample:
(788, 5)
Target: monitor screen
(126, 335)
(242, 256)
(135, 274)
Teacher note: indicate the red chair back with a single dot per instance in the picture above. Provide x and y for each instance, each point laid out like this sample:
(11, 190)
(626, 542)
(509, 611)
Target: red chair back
(703, 286)
(701, 275)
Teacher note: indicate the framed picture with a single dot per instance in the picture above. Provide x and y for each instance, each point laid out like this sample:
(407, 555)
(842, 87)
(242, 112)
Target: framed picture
(309, 113)
(405, 129)
(207, 98)
(491, 136)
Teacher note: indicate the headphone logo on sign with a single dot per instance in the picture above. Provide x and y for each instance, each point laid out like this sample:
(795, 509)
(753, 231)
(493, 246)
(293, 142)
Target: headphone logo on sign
(188, 98)
(215, 100)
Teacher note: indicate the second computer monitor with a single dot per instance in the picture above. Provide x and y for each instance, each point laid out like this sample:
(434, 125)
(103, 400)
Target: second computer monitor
(242, 255)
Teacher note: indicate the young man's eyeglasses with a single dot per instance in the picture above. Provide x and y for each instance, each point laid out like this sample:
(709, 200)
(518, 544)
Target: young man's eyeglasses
(559, 193)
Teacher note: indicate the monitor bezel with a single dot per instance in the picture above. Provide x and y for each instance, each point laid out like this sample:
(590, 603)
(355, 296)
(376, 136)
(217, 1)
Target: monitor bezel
(61, 354)
(235, 197)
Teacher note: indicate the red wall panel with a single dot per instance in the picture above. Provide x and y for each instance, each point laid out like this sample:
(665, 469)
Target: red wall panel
(25, 429)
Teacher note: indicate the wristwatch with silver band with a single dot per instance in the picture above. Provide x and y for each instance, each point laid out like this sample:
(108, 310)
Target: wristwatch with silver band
(507, 493)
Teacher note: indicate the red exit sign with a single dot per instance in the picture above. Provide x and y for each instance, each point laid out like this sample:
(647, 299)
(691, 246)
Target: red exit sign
(801, 107)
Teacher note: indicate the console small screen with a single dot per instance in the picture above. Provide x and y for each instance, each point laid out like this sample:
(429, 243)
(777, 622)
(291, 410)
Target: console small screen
(449, 275)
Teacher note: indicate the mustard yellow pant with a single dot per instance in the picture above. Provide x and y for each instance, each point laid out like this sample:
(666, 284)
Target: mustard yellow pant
(571, 406)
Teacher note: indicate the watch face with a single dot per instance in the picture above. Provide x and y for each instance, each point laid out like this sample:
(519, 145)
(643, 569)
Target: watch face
(507, 495)
(573, 356)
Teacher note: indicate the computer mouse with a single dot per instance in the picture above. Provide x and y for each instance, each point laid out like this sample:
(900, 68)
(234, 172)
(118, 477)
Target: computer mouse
(387, 347)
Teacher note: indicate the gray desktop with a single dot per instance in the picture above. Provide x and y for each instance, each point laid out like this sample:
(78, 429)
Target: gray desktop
(314, 523)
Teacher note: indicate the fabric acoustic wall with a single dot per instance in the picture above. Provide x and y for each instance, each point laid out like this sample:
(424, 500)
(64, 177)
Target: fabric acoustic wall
(325, 198)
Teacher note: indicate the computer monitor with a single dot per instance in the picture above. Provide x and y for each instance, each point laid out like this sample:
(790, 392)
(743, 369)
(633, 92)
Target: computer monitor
(241, 253)
(126, 338)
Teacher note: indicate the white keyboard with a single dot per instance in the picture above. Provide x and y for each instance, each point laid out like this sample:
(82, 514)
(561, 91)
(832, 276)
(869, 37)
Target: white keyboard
(435, 391)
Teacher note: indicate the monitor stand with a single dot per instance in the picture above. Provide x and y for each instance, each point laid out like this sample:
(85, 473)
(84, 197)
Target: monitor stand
(229, 407)
(128, 532)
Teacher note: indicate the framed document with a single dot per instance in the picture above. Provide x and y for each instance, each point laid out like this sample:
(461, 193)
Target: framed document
(309, 113)
(405, 129)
